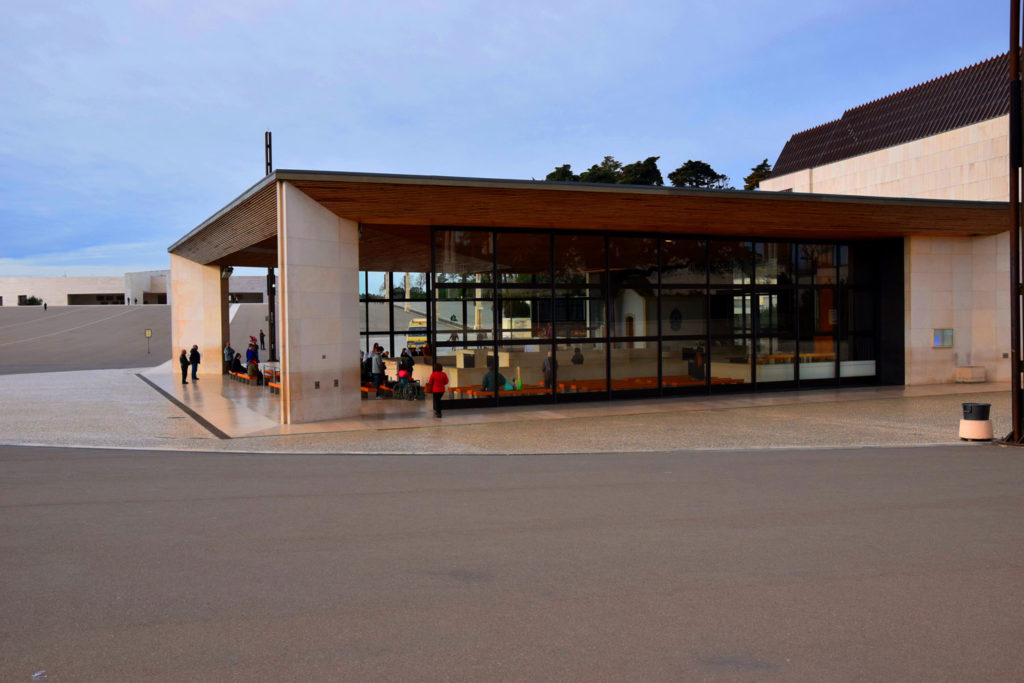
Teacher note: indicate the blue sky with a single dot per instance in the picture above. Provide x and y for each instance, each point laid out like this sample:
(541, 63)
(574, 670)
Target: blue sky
(123, 125)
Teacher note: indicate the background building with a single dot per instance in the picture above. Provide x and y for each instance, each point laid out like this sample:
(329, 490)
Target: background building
(146, 287)
(944, 139)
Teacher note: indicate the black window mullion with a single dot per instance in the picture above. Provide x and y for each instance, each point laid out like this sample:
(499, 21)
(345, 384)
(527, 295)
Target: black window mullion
(553, 314)
(835, 306)
(657, 256)
(391, 311)
(755, 314)
(609, 320)
(497, 303)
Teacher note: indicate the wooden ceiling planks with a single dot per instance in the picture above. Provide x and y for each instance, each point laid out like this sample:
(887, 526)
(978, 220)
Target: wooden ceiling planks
(229, 239)
(753, 214)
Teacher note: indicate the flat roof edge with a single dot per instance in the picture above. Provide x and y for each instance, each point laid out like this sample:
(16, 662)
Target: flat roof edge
(456, 181)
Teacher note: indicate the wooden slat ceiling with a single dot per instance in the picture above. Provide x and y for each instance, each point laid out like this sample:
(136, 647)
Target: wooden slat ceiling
(752, 214)
(246, 235)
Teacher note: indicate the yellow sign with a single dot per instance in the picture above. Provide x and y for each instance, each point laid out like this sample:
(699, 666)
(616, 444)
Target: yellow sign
(149, 333)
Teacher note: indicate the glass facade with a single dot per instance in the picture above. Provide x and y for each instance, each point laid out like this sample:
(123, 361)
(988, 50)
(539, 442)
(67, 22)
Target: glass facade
(544, 315)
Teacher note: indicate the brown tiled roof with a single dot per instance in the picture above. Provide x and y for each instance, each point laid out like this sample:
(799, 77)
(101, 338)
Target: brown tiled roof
(972, 94)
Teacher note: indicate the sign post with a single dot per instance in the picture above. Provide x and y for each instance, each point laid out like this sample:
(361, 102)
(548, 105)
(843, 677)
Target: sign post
(149, 334)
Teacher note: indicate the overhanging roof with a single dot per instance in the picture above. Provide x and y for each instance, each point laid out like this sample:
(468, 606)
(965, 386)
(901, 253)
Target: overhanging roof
(250, 221)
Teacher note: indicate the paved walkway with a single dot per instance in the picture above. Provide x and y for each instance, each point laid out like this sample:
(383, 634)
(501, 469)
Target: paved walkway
(118, 408)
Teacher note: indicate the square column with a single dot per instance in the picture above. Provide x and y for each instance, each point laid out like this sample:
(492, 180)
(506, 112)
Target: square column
(199, 313)
(318, 295)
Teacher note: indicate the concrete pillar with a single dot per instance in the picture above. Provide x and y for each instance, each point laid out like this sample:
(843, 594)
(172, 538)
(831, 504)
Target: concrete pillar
(199, 312)
(318, 293)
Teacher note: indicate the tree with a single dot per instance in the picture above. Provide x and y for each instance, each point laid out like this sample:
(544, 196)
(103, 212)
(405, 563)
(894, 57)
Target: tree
(644, 172)
(32, 301)
(760, 172)
(563, 174)
(608, 171)
(699, 174)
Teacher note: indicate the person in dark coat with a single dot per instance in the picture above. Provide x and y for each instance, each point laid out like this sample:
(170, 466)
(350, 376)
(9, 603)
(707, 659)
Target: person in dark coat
(263, 338)
(236, 364)
(229, 355)
(183, 359)
(193, 358)
(549, 367)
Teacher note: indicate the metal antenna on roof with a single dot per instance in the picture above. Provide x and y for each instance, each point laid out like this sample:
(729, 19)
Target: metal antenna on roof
(269, 152)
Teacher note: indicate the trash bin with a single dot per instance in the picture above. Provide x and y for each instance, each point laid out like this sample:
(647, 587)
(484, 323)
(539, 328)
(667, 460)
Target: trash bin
(976, 411)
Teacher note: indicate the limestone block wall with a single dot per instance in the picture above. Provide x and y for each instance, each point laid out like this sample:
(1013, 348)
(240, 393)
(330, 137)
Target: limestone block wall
(199, 312)
(959, 284)
(55, 290)
(966, 163)
(318, 288)
(150, 282)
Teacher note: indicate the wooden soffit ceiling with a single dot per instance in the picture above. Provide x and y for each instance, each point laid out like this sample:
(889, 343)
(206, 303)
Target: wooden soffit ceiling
(244, 233)
(409, 200)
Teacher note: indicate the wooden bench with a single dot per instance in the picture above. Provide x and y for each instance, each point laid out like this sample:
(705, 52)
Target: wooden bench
(370, 389)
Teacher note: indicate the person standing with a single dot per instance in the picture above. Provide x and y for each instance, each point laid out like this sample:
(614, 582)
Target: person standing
(229, 354)
(436, 386)
(262, 339)
(44, 305)
(193, 358)
(378, 371)
(183, 360)
(548, 368)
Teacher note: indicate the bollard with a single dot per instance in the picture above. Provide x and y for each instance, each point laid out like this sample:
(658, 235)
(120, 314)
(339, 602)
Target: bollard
(975, 425)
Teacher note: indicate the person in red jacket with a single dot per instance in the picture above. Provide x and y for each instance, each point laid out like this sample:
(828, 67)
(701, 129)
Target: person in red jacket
(437, 383)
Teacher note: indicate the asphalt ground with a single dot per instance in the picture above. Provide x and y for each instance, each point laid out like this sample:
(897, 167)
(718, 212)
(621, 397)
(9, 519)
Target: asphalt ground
(878, 564)
(68, 338)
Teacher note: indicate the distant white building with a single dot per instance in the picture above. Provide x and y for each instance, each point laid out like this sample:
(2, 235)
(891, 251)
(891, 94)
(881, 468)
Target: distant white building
(146, 287)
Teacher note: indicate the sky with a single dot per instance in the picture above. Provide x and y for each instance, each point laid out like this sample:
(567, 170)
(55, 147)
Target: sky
(123, 125)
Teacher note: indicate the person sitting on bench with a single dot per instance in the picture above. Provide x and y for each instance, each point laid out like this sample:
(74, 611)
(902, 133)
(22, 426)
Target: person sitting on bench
(490, 381)
(254, 372)
(236, 364)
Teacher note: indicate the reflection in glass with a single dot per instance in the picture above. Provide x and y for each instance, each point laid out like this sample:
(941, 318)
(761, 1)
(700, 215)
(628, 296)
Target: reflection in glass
(684, 363)
(729, 262)
(468, 320)
(776, 359)
(730, 361)
(684, 262)
(525, 315)
(373, 285)
(817, 333)
(857, 340)
(580, 260)
(528, 369)
(633, 278)
(463, 256)
(379, 329)
(683, 311)
(816, 264)
(524, 258)
(776, 343)
(634, 366)
(579, 314)
(773, 263)
(581, 368)
(730, 313)
(857, 263)
(414, 283)
(465, 366)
